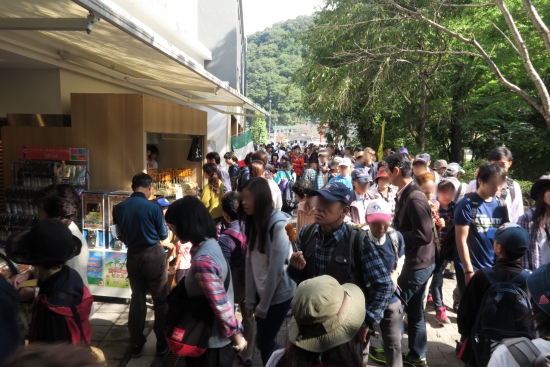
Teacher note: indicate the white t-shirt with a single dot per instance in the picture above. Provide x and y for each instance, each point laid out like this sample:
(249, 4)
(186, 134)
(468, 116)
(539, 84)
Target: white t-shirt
(503, 358)
(259, 269)
(80, 262)
(544, 247)
(275, 357)
(275, 194)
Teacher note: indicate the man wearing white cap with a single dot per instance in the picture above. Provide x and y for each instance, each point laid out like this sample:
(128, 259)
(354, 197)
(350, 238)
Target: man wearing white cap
(345, 173)
(390, 246)
(452, 174)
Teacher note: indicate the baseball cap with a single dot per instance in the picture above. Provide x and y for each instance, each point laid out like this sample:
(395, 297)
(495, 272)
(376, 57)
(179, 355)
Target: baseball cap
(378, 211)
(454, 168)
(361, 175)
(420, 158)
(382, 173)
(334, 191)
(403, 150)
(513, 238)
(323, 152)
(425, 156)
(163, 202)
(441, 163)
(49, 242)
(538, 284)
(345, 162)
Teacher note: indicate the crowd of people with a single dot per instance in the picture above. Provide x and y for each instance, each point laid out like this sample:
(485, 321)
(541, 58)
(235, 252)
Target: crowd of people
(369, 235)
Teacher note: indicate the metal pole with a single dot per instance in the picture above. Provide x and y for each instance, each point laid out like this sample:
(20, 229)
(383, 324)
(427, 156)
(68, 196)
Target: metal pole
(269, 130)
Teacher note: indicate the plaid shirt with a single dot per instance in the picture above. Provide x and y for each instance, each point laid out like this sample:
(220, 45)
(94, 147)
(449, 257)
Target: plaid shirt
(317, 178)
(380, 286)
(538, 238)
(448, 215)
(209, 277)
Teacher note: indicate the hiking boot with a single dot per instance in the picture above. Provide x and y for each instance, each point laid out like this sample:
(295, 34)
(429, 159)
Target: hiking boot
(377, 354)
(414, 363)
(456, 304)
(136, 350)
(441, 316)
(430, 302)
(162, 348)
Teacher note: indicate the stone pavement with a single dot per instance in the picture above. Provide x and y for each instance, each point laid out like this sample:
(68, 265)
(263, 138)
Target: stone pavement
(110, 334)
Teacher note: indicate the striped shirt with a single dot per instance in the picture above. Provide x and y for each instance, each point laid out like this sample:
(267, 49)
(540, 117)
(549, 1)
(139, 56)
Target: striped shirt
(209, 278)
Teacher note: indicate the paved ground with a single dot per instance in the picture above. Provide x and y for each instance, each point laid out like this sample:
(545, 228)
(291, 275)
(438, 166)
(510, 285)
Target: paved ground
(110, 334)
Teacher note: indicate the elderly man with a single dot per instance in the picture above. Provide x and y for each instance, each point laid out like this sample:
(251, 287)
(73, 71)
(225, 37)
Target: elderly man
(326, 250)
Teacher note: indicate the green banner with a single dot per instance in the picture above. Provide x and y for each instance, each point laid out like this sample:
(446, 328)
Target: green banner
(242, 140)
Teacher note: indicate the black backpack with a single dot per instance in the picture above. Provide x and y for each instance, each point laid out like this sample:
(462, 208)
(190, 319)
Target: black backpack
(287, 194)
(500, 315)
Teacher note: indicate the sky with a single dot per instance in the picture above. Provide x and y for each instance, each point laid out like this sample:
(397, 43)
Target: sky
(261, 14)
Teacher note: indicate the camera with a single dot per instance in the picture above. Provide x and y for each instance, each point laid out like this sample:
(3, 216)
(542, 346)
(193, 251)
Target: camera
(90, 20)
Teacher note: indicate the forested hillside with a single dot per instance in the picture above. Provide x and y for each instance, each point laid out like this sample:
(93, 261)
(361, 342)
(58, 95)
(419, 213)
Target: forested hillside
(272, 58)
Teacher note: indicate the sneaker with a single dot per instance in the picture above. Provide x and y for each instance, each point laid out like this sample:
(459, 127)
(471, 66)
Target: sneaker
(441, 316)
(377, 354)
(162, 348)
(430, 302)
(136, 350)
(414, 363)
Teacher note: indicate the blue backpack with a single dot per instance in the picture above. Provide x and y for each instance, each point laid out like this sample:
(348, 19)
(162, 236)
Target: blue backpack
(287, 195)
(500, 315)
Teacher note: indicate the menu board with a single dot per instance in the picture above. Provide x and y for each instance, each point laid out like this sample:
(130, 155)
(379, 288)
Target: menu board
(95, 268)
(116, 273)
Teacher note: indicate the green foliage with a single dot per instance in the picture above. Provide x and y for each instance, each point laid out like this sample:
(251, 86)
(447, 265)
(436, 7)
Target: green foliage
(273, 56)
(259, 130)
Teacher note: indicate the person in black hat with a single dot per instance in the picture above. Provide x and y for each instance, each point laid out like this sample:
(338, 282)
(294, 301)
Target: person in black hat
(47, 246)
(510, 242)
(325, 248)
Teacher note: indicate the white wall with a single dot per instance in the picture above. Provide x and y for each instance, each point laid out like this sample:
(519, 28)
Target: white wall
(218, 130)
(29, 91)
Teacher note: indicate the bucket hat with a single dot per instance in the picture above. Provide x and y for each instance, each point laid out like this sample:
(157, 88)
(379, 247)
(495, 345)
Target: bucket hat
(441, 163)
(541, 182)
(49, 242)
(326, 314)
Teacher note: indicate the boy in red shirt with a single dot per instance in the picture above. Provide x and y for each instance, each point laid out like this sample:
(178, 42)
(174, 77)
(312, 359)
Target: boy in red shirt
(297, 161)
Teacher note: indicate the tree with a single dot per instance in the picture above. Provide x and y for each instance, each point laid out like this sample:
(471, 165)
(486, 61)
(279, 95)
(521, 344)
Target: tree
(259, 130)
(539, 96)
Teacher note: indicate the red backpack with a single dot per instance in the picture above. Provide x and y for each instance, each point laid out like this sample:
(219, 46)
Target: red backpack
(76, 317)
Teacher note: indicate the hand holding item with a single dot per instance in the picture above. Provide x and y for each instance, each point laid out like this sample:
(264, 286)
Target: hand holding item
(297, 260)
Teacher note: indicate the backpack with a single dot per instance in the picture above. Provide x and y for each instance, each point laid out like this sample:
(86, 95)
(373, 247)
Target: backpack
(287, 195)
(499, 315)
(235, 182)
(526, 353)
(241, 245)
(189, 321)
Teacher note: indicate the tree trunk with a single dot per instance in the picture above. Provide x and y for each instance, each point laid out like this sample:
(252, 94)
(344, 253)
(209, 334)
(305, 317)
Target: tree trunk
(456, 140)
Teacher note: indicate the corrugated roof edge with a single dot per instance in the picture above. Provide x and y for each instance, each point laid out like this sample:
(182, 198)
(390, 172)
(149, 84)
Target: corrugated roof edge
(152, 39)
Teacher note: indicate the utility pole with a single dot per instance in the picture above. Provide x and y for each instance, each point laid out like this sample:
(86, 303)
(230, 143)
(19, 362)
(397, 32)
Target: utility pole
(269, 129)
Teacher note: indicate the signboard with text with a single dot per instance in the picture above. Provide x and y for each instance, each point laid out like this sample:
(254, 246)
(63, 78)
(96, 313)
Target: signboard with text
(95, 268)
(52, 153)
(116, 273)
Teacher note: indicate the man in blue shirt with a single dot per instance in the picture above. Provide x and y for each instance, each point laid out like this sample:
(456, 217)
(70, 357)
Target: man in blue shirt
(474, 249)
(141, 227)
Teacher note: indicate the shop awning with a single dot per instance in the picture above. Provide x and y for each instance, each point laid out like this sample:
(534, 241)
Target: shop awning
(121, 49)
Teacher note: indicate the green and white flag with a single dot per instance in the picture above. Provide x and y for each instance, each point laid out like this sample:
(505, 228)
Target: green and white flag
(242, 144)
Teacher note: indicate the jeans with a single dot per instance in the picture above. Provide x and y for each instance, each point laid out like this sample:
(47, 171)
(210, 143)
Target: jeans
(267, 329)
(436, 286)
(390, 328)
(147, 272)
(413, 284)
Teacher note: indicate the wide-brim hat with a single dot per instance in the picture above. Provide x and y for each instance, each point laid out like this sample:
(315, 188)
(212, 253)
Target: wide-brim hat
(382, 173)
(326, 314)
(49, 242)
(541, 182)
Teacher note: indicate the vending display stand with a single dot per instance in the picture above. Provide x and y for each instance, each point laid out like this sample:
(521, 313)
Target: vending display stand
(107, 272)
